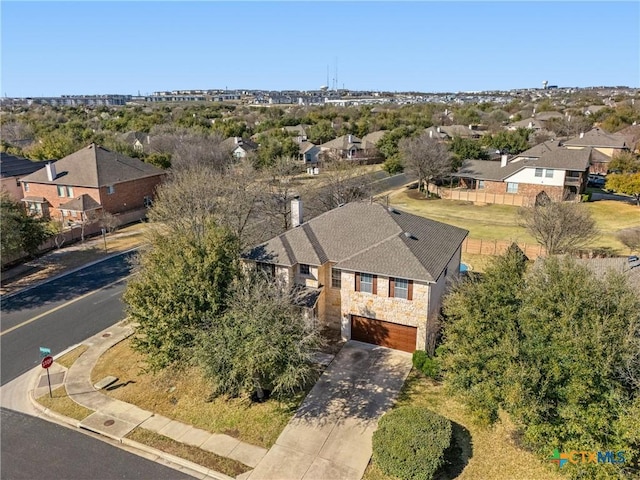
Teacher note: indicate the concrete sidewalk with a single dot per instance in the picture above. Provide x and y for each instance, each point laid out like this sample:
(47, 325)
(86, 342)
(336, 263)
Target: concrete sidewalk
(115, 419)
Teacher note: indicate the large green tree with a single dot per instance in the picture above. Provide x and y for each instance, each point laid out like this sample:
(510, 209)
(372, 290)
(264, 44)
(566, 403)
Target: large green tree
(20, 232)
(182, 284)
(262, 343)
(557, 348)
(626, 178)
(482, 332)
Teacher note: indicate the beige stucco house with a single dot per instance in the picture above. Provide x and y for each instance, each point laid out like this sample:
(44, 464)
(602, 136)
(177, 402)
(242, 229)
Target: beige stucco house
(376, 273)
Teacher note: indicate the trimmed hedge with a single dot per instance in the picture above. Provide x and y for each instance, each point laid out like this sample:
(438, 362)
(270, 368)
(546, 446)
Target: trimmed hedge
(410, 443)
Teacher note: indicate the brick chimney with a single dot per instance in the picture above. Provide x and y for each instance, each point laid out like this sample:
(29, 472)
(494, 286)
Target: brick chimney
(296, 212)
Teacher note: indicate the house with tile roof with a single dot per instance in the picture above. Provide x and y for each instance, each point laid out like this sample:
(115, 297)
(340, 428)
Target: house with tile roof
(559, 172)
(377, 274)
(12, 169)
(90, 180)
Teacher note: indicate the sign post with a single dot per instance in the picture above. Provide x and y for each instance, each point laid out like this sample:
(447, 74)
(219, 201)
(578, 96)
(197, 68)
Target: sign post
(46, 363)
(104, 237)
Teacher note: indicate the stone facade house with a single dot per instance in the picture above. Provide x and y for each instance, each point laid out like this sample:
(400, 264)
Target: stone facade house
(375, 273)
(91, 180)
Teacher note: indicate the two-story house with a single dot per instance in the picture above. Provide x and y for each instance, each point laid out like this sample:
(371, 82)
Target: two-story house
(606, 146)
(558, 172)
(90, 180)
(376, 273)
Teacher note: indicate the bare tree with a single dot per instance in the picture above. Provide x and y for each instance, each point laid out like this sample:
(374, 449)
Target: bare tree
(342, 182)
(194, 198)
(188, 149)
(280, 187)
(426, 157)
(560, 227)
(109, 222)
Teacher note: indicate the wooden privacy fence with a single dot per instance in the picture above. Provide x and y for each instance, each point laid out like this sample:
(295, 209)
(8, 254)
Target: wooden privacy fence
(74, 234)
(498, 247)
(481, 197)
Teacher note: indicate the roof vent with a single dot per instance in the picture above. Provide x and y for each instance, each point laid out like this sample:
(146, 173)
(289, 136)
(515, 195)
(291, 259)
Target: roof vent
(340, 205)
(410, 235)
(392, 210)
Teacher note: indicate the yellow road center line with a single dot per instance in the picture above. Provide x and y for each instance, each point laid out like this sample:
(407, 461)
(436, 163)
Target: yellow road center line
(59, 307)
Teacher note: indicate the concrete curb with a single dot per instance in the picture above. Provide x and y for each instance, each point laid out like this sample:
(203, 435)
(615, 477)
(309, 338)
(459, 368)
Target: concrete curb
(177, 460)
(170, 459)
(68, 272)
(167, 457)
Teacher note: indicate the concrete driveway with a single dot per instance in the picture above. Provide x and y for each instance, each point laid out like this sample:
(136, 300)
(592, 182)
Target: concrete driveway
(330, 435)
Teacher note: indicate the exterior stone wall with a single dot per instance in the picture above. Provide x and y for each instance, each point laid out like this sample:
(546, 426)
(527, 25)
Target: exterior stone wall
(382, 307)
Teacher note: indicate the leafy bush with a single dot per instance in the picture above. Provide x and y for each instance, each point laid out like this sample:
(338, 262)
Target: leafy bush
(393, 165)
(585, 197)
(410, 443)
(429, 366)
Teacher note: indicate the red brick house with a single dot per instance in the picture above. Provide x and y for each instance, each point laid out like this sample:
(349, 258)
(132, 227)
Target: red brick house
(89, 181)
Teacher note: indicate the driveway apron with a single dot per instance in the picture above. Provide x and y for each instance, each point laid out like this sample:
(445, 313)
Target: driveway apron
(329, 437)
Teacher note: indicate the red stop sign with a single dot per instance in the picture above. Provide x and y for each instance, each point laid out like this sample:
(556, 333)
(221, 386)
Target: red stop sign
(47, 361)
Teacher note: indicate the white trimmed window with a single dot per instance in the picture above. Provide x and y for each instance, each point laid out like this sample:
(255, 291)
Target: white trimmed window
(304, 269)
(548, 173)
(111, 190)
(512, 187)
(26, 186)
(480, 184)
(401, 288)
(61, 191)
(69, 191)
(538, 172)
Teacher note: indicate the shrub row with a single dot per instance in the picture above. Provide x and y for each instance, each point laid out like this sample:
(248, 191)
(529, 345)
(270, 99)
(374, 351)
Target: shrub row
(429, 366)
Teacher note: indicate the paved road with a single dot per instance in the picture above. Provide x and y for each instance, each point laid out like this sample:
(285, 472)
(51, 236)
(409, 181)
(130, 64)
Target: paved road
(35, 449)
(60, 314)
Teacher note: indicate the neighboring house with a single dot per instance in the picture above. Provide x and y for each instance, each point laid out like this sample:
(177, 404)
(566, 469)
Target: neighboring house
(528, 123)
(436, 132)
(560, 173)
(138, 140)
(607, 144)
(345, 147)
(12, 169)
(375, 273)
(90, 180)
(299, 132)
(544, 116)
(631, 136)
(370, 142)
(239, 147)
(309, 153)
(462, 131)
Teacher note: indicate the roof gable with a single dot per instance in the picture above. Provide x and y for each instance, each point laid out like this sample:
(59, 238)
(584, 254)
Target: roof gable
(367, 237)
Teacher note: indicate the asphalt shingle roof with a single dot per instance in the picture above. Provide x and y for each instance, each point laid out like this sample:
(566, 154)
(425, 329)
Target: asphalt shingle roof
(343, 143)
(598, 138)
(95, 166)
(12, 166)
(83, 203)
(560, 159)
(367, 237)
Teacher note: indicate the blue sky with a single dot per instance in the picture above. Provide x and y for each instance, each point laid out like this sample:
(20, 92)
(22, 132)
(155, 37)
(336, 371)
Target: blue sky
(55, 48)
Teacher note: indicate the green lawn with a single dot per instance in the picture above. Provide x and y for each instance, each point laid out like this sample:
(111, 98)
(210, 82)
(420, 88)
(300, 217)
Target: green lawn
(486, 453)
(500, 222)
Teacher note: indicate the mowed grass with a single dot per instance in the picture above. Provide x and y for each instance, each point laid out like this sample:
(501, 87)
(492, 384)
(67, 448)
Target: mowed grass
(184, 396)
(490, 453)
(62, 403)
(70, 357)
(500, 222)
(193, 454)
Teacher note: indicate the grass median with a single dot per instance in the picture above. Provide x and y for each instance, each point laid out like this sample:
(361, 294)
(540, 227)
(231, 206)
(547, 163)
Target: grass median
(61, 403)
(183, 395)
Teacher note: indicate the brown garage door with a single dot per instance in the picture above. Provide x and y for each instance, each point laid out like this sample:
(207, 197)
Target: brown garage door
(382, 333)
